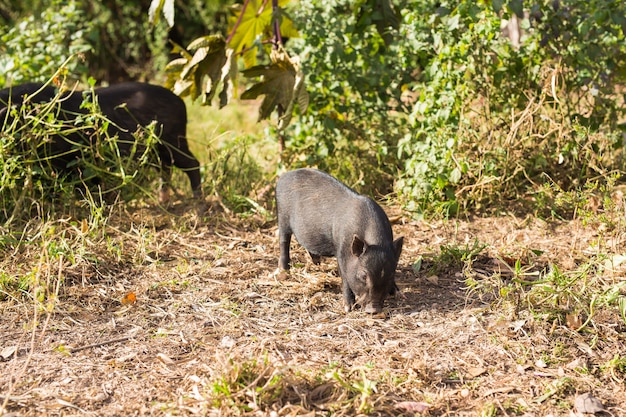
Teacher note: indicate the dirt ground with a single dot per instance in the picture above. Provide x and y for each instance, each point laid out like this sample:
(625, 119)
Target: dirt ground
(214, 331)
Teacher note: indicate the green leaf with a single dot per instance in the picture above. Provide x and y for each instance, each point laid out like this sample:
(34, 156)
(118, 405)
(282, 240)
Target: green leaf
(177, 49)
(282, 84)
(517, 7)
(287, 29)
(228, 69)
(455, 175)
(380, 13)
(619, 19)
(176, 65)
(198, 57)
(158, 6)
(206, 42)
(155, 11)
(182, 87)
(202, 73)
(389, 18)
(497, 5)
(168, 12)
(300, 96)
(251, 25)
(248, 25)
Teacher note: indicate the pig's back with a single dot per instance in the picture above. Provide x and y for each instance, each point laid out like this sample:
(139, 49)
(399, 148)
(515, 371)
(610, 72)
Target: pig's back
(309, 191)
(315, 207)
(324, 214)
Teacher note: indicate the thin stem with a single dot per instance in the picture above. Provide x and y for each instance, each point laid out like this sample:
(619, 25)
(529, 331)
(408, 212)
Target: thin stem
(277, 37)
(232, 33)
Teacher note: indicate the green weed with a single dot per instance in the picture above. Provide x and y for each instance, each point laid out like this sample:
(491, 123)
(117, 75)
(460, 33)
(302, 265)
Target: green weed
(489, 410)
(555, 388)
(453, 256)
(248, 385)
(233, 173)
(616, 368)
(257, 384)
(361, 388)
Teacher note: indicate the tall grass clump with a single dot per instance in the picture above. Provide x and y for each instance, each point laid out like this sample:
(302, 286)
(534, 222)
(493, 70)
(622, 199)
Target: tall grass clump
(57, 210)
(246, 384)
(33, 180)
(233, 172)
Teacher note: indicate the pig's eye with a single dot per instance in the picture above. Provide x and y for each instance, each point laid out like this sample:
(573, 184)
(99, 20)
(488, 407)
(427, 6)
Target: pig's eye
(361, 276)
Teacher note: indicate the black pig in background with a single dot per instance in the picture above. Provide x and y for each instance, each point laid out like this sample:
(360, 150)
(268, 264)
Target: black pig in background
(127, 106)
(330, 219)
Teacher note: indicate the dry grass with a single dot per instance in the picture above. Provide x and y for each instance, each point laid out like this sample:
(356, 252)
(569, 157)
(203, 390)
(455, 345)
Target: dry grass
(215, 332)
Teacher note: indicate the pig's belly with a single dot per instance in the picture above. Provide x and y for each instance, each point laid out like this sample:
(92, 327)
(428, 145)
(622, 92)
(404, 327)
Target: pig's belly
(317, 244)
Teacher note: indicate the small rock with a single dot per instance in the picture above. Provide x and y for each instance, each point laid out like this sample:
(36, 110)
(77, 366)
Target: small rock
(7, 352)
(587, 403)
(342, 328)
(475, 372)
(227, 342)
(577, 363)
(413, 406)
(433, 279)
(165, 359)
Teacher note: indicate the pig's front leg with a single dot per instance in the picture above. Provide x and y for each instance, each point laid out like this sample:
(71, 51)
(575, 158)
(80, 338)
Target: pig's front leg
(348, 295)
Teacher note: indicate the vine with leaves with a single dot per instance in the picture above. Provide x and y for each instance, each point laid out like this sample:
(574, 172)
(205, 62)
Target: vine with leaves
(209, 64)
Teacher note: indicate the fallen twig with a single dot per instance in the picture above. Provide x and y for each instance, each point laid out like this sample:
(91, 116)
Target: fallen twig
(106, 342)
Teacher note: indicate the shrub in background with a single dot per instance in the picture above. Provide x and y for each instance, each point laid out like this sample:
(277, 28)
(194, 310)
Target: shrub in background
(490, 121)
(494, 123)
(354, 75)
(487, 121)
(34, 48)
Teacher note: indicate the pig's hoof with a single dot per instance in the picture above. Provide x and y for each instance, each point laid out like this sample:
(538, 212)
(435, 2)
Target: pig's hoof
(373, 310)
(380, 315)
(280, 274)
(164, 196)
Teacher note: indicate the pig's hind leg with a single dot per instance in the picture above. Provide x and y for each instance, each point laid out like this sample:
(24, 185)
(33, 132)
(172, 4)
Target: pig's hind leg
(315, 258)
(184, 160)
(284, 238)
(175, 151)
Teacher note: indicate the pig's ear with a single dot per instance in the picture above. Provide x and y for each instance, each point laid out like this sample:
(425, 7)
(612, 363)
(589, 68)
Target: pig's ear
(358, 246)
(397, 247)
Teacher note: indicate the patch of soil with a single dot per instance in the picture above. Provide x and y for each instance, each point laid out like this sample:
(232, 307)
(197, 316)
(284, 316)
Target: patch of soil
(208, 301)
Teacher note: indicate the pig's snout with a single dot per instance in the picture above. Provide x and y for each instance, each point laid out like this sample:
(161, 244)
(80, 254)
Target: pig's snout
(367, 305)
(373, 309)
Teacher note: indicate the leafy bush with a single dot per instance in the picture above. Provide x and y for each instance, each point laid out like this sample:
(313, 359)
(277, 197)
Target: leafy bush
(33, 49)
(586, 42)
(493, 123)
(490, 121)
(114, 39)
(353, 75)
(125, 45)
